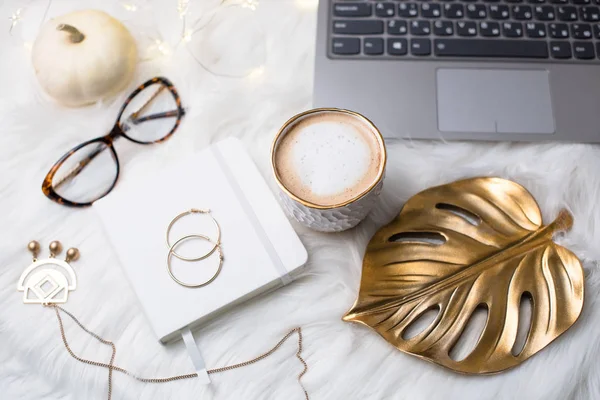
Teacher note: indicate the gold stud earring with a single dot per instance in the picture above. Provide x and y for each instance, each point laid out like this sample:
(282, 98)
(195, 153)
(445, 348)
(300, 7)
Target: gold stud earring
(55, 248)
(34, 248)
(72, 254)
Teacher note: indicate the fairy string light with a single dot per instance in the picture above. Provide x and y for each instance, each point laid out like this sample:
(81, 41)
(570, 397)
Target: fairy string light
(14, 19)
(129, 7)
(182, 7)
(251, 4)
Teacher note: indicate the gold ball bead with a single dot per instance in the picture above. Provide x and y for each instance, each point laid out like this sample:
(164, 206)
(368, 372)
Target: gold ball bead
(72, 254)
(55, 247)
(33, 246)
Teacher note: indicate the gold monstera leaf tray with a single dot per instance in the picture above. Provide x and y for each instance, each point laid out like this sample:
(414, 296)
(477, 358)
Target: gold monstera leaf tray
(462, 246)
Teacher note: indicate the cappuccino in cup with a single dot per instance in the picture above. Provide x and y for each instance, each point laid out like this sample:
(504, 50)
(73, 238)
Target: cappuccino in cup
(325, 161)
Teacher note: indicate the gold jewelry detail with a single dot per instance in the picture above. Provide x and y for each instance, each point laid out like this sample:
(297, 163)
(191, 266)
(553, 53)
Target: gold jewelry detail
(55, 248)
(31, 276)
(34, 248)
(474, 243)
(112, 367)
(216, 243)
(49, 280)
(172, 252)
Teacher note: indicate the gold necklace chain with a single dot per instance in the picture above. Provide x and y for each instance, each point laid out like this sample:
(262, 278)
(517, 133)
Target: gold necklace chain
(111, 367)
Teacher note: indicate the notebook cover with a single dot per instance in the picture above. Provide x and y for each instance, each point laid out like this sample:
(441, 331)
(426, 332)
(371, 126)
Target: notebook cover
(261, 250)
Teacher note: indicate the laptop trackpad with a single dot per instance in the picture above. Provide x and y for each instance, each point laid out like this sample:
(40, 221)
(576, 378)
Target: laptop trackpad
(494, 100)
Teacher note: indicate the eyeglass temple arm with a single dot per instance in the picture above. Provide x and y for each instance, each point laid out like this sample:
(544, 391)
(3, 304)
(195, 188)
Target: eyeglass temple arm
(166, 114)
(80, 166)
(143, 107)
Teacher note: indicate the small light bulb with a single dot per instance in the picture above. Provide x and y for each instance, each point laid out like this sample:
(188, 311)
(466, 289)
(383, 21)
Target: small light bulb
(162, 47)
(251, 4)
(130, 7)
(14, 19)
(256, 72)
(187, 35)
(182, 7)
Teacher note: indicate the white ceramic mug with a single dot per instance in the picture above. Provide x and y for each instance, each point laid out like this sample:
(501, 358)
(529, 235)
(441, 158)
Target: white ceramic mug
(338, 217)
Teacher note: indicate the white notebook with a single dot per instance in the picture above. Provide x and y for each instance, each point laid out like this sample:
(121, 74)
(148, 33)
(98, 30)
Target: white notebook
(260, 248)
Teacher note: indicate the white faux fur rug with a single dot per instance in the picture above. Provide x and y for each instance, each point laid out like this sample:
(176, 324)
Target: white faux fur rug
(345, 361)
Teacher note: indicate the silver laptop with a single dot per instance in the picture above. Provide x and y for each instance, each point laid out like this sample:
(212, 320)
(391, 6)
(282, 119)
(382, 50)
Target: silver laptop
(526, 70)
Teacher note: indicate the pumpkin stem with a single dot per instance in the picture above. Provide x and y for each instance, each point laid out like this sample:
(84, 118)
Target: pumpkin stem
(74, 34)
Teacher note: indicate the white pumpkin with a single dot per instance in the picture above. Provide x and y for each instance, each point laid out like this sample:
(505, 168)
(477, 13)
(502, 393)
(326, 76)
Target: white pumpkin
(84, 56)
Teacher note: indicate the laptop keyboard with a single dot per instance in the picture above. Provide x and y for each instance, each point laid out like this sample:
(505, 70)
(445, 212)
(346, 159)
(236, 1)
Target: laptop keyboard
(533, 30)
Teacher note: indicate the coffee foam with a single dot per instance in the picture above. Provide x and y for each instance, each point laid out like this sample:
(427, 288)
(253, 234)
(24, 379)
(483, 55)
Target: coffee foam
(328, 158)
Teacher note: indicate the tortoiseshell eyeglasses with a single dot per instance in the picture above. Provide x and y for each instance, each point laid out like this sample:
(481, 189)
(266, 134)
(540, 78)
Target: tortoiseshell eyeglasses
(88, 172)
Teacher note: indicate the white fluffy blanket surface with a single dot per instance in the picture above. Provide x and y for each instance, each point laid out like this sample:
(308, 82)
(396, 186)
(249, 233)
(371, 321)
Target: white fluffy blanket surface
(345, 360)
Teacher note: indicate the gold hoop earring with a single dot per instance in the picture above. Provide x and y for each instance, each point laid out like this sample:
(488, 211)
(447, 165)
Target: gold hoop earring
(215, 243)
(172, 252)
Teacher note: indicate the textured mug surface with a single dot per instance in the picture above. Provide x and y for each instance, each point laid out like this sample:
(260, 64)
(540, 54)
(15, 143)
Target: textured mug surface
(337, 217)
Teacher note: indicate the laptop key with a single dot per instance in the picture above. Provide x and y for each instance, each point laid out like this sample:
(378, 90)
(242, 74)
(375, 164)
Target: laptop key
(590, 14)
(373, 46)
(397, 47)
(581, 31)
(559, 1)
(535, 30)
(476, 11)
(490, 48)
(420, 28)
(559, 31)
(567, 13)
(443, 28)
(352, 10)
(385, 10)
(420, 47)
(522, 12)
(544, 13)
(358, 27)
(583, 50)
(408, 10)
(560, 50)
(466, 28)
(499, 11)
(598, 49)
(346, 46)
(429, 10)
(512, 29)
(583, 2)
(397, 27)
(489, 29)
(454, 10)
(597, 31)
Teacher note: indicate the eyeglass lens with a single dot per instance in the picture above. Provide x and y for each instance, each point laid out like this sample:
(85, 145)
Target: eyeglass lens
(87, 174)
(150, 115)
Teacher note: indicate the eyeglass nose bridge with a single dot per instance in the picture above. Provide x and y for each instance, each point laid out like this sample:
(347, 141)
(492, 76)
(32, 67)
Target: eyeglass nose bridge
(115, 132)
